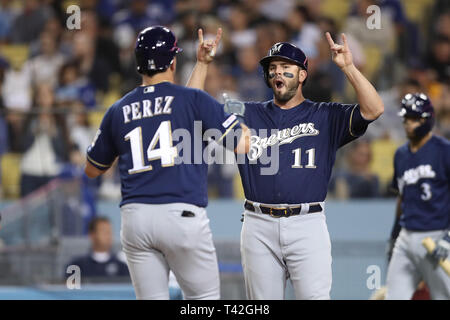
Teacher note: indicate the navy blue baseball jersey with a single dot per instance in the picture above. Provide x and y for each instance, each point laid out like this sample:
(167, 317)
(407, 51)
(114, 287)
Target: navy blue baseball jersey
(307, 137)
(422, 179)
(139, 130)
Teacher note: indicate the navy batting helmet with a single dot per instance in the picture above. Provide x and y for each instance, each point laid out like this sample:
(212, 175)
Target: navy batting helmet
(155, 49)
(286, 51)
(418, 105)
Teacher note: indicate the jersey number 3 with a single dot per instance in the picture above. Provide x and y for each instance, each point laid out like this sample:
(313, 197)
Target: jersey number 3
(426, 195)
(166, 151)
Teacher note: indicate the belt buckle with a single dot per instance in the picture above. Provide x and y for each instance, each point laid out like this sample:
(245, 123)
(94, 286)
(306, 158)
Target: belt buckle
(271, 213)
(285, 211)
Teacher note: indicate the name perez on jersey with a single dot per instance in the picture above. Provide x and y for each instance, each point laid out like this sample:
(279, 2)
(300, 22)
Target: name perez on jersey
(411, 176)
(281, 137)
(146, 109)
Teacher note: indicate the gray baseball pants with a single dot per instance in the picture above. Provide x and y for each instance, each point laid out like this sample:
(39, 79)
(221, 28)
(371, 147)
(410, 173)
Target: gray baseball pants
(156, 238)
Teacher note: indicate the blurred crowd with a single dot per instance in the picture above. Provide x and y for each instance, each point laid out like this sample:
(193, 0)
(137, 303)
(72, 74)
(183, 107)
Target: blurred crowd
(56, 82)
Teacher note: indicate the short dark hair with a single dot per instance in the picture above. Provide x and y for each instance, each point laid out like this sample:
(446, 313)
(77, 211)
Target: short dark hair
(95, 221)
(151, 73)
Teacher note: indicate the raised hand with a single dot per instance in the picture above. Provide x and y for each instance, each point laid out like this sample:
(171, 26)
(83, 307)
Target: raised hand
(207, 49)
(340, 53)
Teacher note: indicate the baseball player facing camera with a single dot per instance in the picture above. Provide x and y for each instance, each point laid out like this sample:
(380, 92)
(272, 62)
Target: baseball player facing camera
(422, 179)
(164, 225)
(284, 233)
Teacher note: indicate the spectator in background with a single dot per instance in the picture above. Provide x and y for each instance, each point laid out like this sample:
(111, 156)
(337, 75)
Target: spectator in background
(220, 176)
(44, 68)
(306, 35)
(28, 25)
(442, 108)
(356, 25)
(325, 65)
(439, 57)
(241, 34)
(80, 137)
(280, 32)
(137, 16)
(377, 42)
(186, 30)
(91, 65)
(125, 38)
(7, 16)
(357, 181)
(74, 87)
(276, 10)
(4, 138)
(247, 75)
(45, 143)
(16, 95)
(101, 33)
(387, 125)
(442, 25)
(109, 188)
(81, 134)
(264, 39)
(53, 29)
(406, 32)
(101, 261)
(104, 9)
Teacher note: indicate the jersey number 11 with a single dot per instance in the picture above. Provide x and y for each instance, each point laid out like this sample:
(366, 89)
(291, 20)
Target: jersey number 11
(298, 158)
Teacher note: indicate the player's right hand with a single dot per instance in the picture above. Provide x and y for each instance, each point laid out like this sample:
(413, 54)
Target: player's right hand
(206, 49)
(233, 106)
(442, 249)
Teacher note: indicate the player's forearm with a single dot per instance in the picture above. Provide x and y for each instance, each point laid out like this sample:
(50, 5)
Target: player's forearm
(244, 142)
(91, 171)
(368, 98)
(198, 76)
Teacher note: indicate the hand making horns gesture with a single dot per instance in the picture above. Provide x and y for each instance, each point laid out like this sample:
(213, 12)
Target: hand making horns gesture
(340, 52)
(207, 49)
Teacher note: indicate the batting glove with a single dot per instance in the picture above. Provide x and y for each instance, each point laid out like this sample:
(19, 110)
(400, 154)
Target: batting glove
(235, 107)
(442, 247)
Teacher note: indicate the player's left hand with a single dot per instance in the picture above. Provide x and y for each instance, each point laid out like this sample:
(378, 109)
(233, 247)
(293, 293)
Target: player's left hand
(442, 247)
(206, 49)
(340, 52)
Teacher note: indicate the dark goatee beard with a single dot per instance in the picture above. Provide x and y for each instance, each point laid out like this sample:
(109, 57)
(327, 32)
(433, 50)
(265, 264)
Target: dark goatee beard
(288, 95)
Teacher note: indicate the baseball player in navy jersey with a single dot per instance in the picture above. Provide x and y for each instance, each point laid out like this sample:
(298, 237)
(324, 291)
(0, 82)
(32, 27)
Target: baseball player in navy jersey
(284, 233)
(422, 179)
(164, 224)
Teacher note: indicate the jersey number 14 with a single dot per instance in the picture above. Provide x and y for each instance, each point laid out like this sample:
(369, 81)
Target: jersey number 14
(166, 151)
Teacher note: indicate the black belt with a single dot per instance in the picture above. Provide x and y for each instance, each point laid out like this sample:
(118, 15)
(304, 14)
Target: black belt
(282, 212)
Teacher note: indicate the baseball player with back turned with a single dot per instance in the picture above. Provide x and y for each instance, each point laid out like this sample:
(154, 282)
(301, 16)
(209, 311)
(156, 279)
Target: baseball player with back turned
(164, 223)
(284, 234)
(422, 179)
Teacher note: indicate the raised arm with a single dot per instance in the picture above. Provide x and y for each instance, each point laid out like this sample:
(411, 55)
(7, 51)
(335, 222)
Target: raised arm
(370, 102)
(205, 54)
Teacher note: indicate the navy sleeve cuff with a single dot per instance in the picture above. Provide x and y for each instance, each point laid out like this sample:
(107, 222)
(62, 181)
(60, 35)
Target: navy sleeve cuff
(358, 125)
(97, 164)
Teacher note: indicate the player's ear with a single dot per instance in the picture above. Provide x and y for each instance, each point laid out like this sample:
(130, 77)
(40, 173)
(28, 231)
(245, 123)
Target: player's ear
(302, 74)
(173, 66)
